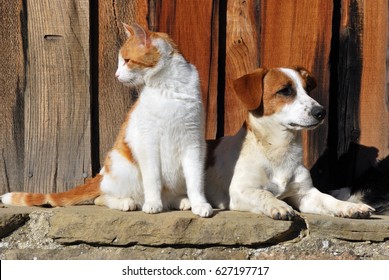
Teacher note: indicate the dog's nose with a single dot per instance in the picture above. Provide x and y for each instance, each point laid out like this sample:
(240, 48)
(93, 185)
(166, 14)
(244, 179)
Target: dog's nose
(318, 113)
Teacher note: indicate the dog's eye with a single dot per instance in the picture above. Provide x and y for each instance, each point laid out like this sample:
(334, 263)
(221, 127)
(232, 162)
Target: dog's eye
(286, 91)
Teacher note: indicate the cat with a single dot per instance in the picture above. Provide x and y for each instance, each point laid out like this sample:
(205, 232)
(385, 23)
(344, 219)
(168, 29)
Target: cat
(157, 161)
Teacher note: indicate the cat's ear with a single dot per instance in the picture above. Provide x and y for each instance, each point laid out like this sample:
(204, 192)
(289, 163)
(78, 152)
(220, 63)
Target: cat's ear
(128, 30)
(138, 32)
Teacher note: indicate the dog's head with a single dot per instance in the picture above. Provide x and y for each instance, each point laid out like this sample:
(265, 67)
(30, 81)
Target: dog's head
(281, 93)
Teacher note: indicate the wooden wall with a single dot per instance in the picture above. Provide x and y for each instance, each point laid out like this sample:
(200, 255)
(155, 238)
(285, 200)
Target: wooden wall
(61, 106)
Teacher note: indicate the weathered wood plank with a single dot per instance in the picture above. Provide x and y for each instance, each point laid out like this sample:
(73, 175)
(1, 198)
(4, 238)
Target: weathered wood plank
(12, 84)
(362, 111)
(193, 25)
(345, 105)
(349, 75)
(242, 56)
(113, 99)
(57, 97)
(374, 111)
(298, 32)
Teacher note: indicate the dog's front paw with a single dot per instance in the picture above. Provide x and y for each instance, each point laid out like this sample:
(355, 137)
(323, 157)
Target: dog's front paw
(355, 211)
(281, 211)
(202, 209)
(152, 207)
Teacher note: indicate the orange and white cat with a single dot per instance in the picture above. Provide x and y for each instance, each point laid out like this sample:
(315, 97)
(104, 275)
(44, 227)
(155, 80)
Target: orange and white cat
(157, 161)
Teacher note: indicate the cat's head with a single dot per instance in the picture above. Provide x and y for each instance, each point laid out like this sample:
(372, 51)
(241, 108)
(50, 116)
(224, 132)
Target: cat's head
(144, 53)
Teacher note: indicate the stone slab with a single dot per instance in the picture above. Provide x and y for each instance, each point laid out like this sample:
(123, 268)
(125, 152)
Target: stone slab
(102, 226)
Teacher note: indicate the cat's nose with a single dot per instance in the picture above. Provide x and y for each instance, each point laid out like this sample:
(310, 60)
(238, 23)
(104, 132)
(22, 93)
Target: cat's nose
(117, 74)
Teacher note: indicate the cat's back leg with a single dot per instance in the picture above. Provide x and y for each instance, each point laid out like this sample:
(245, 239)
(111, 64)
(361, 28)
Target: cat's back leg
(121, 184)
(122, 204)
(175, 202)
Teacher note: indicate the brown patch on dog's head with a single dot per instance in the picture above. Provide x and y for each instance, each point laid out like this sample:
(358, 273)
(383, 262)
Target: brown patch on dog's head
(266, 91)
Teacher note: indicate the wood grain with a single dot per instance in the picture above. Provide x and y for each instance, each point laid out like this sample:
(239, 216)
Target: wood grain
(12, 85)
(298, 32)
(242, 56)
(57, 97)
(374, 110)
(193, 25)
(349, 75)
(113, 99)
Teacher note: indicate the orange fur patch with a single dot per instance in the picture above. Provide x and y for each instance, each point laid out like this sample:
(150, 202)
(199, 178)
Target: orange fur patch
(138, 55)
(28, 199)
(83, 193)
(80, 194)
(120, 144)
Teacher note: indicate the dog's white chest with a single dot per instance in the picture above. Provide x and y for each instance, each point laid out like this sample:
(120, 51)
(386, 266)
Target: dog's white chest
(271, 166)
(278, 181)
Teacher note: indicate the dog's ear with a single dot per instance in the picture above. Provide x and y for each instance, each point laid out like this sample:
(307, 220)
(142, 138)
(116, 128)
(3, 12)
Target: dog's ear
(249, 88)
(310, 80)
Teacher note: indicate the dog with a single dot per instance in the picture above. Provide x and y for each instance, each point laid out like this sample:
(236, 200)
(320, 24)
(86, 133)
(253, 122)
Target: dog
(260, 169)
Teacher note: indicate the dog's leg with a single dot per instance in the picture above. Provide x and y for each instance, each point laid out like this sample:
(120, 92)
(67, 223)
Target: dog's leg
(308, 199)
(245, 198)
(319, 203)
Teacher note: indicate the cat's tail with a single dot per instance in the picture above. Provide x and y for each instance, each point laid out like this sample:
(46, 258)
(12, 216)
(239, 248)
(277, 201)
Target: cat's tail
(78, 195)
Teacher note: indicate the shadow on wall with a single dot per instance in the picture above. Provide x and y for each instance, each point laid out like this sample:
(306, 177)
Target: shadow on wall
(358, 170)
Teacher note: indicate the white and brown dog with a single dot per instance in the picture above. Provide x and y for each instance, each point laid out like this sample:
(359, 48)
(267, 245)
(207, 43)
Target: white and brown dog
(260, 169)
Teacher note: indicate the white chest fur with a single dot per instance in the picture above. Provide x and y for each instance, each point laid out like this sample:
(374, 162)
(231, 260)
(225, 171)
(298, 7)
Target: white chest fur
(162, 125)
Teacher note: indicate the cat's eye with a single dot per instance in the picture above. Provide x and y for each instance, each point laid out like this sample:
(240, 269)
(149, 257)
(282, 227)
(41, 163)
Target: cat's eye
(126, 60)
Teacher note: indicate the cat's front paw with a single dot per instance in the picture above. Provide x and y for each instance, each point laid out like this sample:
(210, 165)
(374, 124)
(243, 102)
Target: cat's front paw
(152, 207)
(202, 209)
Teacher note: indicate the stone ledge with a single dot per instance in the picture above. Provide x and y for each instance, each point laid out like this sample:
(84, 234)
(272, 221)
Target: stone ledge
(12, 219)
(375, 229)
(88, 232)
(94, 225)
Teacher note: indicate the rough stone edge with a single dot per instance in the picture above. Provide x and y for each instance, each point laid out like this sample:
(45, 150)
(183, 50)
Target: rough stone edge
(318, 227)
(11, 223)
